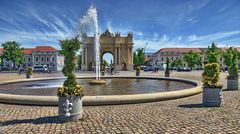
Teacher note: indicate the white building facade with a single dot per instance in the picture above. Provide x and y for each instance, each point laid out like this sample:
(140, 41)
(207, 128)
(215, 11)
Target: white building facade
(38, 56)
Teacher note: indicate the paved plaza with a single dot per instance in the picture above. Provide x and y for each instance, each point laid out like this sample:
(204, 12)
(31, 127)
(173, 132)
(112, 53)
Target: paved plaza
(186, 115)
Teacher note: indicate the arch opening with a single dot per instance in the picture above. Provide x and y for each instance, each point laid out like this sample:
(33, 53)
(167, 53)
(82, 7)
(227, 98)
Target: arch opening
(107, 61)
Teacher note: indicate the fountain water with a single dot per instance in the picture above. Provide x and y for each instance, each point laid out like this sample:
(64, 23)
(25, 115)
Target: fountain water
(89, 23)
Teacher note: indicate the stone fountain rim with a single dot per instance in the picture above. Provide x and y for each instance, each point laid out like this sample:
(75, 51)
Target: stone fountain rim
(103, 100)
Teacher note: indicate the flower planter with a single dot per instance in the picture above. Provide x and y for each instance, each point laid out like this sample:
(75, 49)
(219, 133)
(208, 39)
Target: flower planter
(212, 97)
(29, 76)
(232, 84)
(70, 108)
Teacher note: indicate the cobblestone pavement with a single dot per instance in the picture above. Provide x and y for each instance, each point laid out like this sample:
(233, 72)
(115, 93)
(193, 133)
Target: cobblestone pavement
(185, 115)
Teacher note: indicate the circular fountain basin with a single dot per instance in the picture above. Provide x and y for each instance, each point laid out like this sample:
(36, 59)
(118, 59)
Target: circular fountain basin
(117, 90)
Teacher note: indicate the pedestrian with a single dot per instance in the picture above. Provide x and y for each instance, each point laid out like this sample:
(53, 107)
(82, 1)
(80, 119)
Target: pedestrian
(111, 70)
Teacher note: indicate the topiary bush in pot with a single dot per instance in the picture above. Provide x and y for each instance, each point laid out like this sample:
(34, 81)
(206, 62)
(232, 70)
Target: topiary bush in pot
(212, 90)
(231, 60)
(138, 70)
(167, 71)
(29, 72)
(70, 94)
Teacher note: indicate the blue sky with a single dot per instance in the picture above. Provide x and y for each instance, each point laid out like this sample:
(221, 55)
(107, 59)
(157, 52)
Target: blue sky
(160, 23)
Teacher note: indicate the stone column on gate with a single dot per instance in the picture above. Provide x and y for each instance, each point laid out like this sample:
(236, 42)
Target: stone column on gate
(84, 59)
(117, 65)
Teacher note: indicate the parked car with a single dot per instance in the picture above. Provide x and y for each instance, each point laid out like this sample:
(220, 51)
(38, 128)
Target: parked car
(146, 68)
(150, 69)
(184, 69)
(40, 68)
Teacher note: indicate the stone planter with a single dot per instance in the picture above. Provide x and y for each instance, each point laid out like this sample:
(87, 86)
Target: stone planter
(29, 76)
(70, 108)
(232, 84)
(212, 97)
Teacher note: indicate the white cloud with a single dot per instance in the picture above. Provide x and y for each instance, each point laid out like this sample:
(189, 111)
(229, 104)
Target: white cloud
(187, 41)
(192, 37)
(213, 37)
(164, 38)
(179, 38)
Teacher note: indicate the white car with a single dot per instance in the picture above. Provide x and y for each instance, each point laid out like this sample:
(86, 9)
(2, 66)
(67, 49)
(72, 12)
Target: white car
(40, 68)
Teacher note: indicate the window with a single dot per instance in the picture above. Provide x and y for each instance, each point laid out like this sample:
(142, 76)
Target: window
(47, 59)
(162, 58)
(36, 58)
(53, 59)
(177, 58)
(172, 58)
(29, 59)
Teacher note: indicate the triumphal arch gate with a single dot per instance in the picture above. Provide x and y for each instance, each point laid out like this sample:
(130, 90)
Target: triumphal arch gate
(120, 47)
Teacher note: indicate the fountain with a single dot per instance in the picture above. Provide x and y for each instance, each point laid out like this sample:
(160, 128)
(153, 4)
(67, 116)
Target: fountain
(118, 90)
(90, 20)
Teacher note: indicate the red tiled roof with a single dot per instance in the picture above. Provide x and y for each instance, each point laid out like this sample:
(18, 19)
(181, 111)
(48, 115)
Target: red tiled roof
(28, 50)
(36, 49)
(44, 49)
(180, 50)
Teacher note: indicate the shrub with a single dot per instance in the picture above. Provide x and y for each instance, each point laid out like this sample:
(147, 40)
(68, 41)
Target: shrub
(233, 73)
(211, 75)
(231, 60)
(70, 87)
(29, 71)
(138, 69)
(213, 54)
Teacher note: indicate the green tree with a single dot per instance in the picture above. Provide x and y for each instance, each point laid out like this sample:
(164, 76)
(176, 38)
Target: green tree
(135, 59)
(177, 63)
(230, 56)
(79, 60)
(104, 64)
(139, 57)
(213, 54)
(192, 58)
(13, 52)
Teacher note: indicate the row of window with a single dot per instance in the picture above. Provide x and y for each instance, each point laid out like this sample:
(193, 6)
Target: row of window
(172, 58)
(39, 59)
(170, 53)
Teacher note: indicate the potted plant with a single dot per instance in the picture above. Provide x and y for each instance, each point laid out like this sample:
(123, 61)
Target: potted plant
(212, 91)
(29, 72)
(138, 70)
(167, 70)
(231, 59)
(70, 94)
